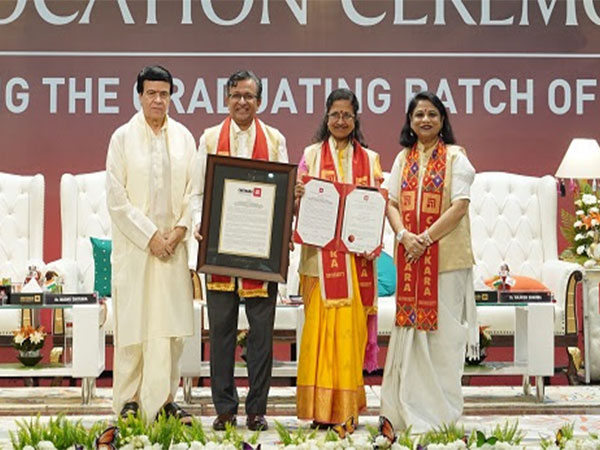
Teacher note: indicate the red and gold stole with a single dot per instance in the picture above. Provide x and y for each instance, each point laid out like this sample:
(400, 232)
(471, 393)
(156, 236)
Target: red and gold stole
(417, 284)
(334, 267)
(246, 287)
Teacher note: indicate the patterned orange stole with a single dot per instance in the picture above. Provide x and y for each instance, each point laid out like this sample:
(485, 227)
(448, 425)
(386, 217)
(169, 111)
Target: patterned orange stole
(334, 267)
(246, 287)
(417, 283)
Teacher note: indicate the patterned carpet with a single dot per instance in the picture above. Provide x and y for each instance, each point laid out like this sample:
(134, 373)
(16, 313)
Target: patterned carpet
(484, 408)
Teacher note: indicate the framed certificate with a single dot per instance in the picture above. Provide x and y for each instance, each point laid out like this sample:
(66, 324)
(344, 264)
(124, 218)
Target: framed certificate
(247, 218)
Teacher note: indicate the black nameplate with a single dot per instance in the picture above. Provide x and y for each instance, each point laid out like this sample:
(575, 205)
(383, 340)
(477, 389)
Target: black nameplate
(70, 299)
(486, 296)
(525, 297)
(23, 298)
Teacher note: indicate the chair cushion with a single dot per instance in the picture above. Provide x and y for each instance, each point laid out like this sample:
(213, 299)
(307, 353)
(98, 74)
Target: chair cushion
(386, 275)
(522, 284)
(102, 249)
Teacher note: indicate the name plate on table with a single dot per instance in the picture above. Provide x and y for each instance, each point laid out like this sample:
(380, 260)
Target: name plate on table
(22, 298)
(490, 297)
(70, 299)
(484, 297)
(525, 297)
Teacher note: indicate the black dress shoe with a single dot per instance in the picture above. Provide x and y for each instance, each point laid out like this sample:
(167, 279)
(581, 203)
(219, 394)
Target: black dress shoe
(257, 422)
(222, 420)
(172, 409)
(129, 409)
(314, 425)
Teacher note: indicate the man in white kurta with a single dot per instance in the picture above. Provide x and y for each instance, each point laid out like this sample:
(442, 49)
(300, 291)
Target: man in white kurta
(151, 184)
(241, 135)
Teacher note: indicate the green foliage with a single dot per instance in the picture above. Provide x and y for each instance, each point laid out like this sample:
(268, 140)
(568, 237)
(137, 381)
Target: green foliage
(508, 432)
(284, 434)
(546, 443)
(232, 436)
(443, 435)
(373, 431)
(166, 430)
(131, 427)
(564, 434)
(297, 437)
(61, 432)
(331, 436)
(405, 438)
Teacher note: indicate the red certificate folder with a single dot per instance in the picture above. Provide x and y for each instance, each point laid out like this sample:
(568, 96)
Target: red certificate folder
(339, 242)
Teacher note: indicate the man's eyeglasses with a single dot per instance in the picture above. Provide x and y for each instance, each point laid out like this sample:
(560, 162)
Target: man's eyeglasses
(345, 116)
(247, 97)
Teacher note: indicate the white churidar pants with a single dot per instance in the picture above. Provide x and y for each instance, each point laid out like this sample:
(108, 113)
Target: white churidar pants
(421, 384)
(162, 372)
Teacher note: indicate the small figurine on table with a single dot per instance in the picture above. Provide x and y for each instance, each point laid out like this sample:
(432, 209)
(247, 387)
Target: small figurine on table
(503, 281)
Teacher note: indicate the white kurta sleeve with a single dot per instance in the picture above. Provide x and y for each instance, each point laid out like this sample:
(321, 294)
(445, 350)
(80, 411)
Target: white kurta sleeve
(134, 224)
(463, 174)
(196, 198)
(201, 170)
(392, 184)
(282, 153)
(192, 187)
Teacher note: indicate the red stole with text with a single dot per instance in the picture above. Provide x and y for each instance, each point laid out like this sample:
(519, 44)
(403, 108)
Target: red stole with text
(417, 283)
(246, 287)
(336, 279)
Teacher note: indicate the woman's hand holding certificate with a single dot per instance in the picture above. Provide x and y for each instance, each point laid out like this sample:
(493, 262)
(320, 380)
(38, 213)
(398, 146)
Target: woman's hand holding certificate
(342, 217)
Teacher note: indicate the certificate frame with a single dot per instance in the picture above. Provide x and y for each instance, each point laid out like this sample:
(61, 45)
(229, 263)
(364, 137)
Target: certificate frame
(219, 169)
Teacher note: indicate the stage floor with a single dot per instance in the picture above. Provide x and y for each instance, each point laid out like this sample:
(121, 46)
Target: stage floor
(485, 407)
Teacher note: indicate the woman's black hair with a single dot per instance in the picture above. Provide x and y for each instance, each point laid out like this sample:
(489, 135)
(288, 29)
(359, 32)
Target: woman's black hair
(408, 138)
(323, 132)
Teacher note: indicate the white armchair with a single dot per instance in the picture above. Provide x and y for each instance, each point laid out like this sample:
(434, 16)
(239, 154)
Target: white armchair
(21, 233)
(514, 220)
(83, 214)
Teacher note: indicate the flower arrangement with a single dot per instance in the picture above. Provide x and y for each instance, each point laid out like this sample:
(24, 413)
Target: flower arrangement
(582, 230)
(28, 338)
(169, 433)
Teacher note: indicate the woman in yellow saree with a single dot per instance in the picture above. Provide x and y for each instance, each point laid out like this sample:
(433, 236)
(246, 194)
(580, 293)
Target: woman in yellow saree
(330, 387)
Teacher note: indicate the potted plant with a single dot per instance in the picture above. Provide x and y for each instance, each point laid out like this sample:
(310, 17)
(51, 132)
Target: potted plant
(29, 341)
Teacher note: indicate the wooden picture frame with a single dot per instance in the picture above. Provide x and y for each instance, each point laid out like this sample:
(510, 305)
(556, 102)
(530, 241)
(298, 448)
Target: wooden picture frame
(247, 217)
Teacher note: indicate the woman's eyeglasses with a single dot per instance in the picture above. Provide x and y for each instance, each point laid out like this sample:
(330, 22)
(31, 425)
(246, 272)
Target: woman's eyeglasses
(345, 116)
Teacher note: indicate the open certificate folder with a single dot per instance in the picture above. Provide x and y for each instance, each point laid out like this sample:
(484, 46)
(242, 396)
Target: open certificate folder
(342, 217)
